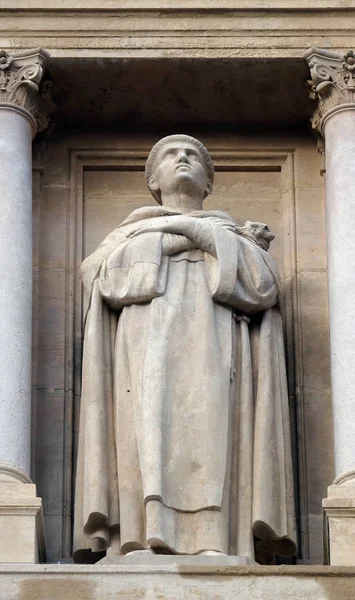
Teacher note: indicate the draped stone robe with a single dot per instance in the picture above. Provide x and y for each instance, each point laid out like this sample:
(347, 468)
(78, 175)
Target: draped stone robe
(184, 440)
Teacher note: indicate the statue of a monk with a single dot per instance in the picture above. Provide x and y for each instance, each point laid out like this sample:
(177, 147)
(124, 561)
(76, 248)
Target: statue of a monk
(184, 444)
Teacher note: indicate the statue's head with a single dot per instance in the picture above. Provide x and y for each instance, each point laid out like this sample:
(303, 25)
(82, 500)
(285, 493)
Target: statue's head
(179, 163)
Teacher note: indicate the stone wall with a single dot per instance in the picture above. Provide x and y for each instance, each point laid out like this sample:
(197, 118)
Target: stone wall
(85, 184)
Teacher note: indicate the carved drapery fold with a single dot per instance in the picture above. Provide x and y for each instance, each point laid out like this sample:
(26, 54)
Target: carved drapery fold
(332, 82)
(21, 85)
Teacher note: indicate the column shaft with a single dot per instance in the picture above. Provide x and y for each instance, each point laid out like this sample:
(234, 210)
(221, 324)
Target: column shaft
(15, 287)
(339, 131)
(333, 85)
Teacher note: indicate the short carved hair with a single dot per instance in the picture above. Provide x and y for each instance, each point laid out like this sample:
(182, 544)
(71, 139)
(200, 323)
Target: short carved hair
(179, 137)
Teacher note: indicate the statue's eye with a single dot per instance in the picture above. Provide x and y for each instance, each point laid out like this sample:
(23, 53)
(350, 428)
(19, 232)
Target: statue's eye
(266, 228)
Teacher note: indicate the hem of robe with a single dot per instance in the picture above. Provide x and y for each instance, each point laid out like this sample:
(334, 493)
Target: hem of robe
(170, 530)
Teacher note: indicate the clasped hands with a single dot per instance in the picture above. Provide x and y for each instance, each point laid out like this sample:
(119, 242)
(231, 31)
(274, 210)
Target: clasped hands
(185, 233)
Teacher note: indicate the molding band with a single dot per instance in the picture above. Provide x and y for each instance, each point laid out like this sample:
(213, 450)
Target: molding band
(22, 111)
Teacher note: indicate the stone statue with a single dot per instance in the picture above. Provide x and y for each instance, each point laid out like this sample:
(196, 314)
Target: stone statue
(184, 444)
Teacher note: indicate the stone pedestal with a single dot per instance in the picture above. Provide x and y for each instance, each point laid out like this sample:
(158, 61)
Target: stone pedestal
(339, 521)
(144, 559)
(21, 524)
(333, 85)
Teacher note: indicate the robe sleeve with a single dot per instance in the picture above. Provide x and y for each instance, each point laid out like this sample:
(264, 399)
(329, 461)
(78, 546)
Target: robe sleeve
(241, 275)
(134, 272)
(91, 266)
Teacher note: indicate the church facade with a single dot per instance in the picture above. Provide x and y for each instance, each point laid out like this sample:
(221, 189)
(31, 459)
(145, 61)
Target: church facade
(86, 89)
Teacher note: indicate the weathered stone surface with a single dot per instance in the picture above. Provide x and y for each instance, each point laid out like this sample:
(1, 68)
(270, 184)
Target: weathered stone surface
(175, 582)
(234, 93)
(315, 334)
(252, 181)
(21, 523)
(159, 28)
(332, 82)
(333, 86)
(20, 80)
(176, 287)
(144, 559)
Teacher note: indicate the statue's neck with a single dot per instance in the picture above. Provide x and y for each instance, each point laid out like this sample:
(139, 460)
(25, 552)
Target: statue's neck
(183, 203)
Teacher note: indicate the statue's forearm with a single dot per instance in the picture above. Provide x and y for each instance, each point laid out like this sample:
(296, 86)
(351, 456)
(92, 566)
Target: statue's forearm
(196, 233)
(174, 243)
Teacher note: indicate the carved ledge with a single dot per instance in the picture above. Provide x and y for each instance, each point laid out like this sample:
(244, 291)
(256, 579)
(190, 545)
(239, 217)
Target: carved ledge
(332, 83)
(21, 85)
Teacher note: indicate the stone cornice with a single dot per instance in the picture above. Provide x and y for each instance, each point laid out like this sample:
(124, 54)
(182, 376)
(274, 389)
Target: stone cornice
(332, 83)
(176, 29)
(173, 5)
(21, 85)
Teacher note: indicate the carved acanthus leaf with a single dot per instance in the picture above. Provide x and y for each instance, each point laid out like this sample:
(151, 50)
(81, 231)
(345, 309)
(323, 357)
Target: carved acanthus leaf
(333, 80)
(20, 84)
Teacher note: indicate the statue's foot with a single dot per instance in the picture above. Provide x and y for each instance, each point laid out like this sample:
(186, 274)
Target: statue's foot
(211, 553)
(139, 552)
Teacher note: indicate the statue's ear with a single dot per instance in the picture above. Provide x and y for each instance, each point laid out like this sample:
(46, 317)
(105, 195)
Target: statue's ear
(209, 187)
(153, 184)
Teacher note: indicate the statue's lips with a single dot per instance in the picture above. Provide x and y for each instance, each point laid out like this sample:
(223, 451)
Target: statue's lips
(182, 166)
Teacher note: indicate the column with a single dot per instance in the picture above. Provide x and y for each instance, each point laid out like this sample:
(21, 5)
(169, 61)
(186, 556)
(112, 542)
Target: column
(333, 85)
(21, 116)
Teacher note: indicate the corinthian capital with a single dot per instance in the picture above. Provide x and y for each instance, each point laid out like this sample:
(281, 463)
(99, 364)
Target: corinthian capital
(332, 83)
(20, 85)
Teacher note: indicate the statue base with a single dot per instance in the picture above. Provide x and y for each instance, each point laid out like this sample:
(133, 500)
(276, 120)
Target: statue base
(184, 560)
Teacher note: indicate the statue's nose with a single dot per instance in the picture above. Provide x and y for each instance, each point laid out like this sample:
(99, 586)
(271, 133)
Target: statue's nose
(182, 157)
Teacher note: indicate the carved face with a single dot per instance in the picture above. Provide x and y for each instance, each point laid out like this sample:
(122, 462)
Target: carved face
(259, 230)
(180, 167)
